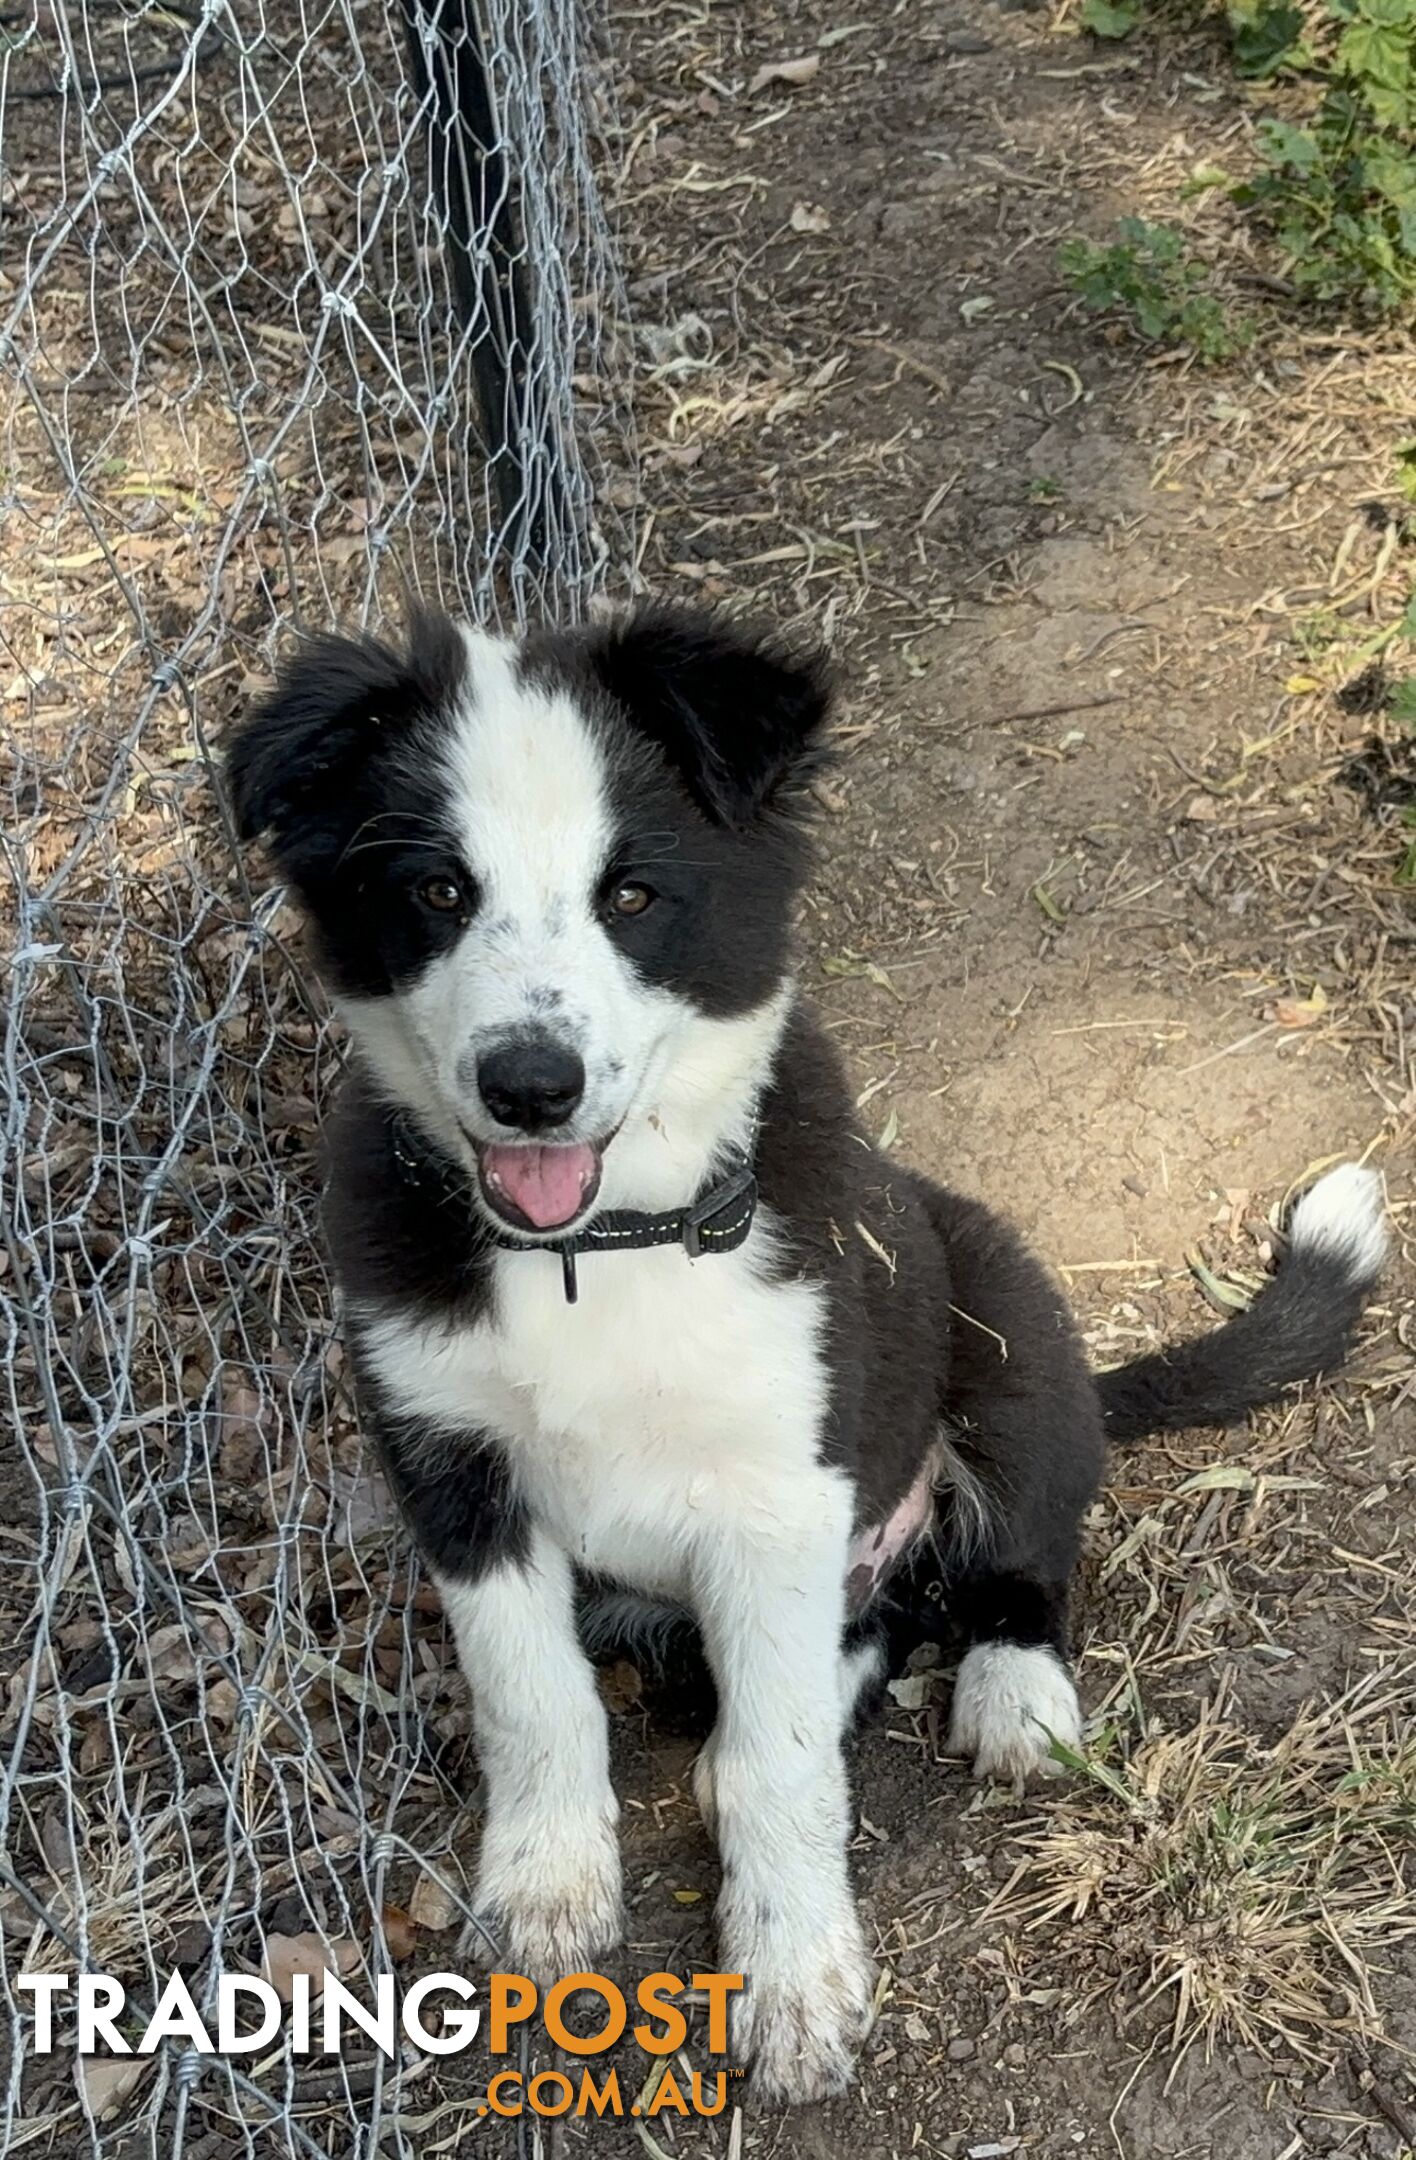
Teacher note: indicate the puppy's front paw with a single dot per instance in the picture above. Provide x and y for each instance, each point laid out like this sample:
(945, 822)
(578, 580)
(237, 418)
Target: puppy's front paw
(806, 2001)
(1010, 1704)
(549, 1894)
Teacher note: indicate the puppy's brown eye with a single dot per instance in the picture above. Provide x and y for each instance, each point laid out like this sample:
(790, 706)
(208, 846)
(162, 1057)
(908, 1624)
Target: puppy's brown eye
(442, 893)
(630, 899)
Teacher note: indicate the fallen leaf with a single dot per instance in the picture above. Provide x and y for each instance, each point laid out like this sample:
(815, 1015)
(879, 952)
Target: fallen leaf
(849, 964)
(95, 1753)
(188, 1545)
(912, 1690)
(1237, 1200)
(358, 1688)
(1226, 1297)
(621, 1686)
(1105, 19)
(344, 547)
(1301, 1012)
(809, 218)
(431, 1906)
(688, 1897)
(287, 1956)
(360, 1504)
(1219, 1477)
(15, 1916)
(169, 1655)
(172, 1652)
(332, 1822)
(242, 1439)
(399, 1933)
(106, 2081)
(792, 72)
(1201, 810)
(684, 455)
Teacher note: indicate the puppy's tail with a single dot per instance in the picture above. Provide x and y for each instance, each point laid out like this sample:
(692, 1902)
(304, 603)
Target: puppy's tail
(1300, 1325)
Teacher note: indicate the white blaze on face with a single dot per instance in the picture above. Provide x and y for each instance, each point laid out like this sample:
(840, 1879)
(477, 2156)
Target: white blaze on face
(525, 784)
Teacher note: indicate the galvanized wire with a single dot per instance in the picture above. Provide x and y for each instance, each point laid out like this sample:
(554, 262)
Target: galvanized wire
(246, 346)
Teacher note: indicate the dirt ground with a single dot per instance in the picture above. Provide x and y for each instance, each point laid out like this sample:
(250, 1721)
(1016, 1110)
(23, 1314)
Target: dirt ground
(1108, 921)
(1108, 924)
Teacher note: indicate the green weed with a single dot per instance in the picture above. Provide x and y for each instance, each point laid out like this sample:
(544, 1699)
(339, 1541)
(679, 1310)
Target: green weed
(1335, 192)
(1110, 18)
(1149, 274)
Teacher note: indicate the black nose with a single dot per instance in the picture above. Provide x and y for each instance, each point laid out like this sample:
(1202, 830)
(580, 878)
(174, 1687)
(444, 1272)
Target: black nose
(531, 1083)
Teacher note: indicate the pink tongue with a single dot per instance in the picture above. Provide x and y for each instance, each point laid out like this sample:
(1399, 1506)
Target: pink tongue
(548, 1184)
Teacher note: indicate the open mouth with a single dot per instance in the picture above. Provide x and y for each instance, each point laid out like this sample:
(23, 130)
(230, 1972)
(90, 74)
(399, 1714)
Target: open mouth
(532, 1185)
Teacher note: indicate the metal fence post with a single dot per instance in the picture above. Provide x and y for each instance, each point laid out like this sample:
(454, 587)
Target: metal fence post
(488, 263)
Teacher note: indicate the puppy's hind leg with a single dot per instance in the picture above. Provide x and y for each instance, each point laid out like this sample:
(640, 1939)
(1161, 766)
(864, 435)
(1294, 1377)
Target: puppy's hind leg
(863, 1667)
(1015, 1694)
(1022, 1410)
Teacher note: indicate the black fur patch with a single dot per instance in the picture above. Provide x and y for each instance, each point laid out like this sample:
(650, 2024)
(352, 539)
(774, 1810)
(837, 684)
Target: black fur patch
(339, 706)
(455, 1491)
(737, 719)
(1302, 1325)
(709, 736)
(333, 767)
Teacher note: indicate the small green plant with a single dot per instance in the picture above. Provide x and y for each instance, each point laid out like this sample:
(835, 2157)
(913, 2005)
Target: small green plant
(1316, 633)
(1406, 468)
(1148, 273)
(1110, 18)
(1265, 37)
(1045, 489)
(1335, 188)
(1406, 874)
(1338, 194)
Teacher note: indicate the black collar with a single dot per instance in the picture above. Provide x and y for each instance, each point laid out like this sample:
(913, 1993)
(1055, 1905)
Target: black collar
(717, 1221)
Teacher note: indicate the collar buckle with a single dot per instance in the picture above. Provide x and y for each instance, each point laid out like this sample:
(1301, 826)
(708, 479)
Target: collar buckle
(714, 1203)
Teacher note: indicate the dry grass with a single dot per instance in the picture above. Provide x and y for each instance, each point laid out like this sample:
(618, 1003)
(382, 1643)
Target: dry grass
(1248, 1891)
(123, 1897)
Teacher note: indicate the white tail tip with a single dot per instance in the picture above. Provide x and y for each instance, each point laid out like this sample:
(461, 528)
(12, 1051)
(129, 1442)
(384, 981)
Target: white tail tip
(1343, 1219)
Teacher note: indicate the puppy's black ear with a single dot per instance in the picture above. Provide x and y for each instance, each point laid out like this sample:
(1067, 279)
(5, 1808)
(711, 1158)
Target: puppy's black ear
(334, 702)
(738, 719)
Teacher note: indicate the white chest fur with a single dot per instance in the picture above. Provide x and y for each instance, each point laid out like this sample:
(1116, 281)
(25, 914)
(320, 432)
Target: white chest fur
(675, 1401)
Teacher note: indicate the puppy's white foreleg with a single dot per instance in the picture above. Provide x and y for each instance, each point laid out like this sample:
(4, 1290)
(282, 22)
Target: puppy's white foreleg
(548, 1881)
(772, 1613)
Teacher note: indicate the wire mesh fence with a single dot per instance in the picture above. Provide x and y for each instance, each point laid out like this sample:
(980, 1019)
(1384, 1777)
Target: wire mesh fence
(298, 303)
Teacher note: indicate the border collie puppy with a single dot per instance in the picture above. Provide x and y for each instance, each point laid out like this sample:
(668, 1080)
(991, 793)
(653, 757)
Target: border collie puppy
(634, 1308)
